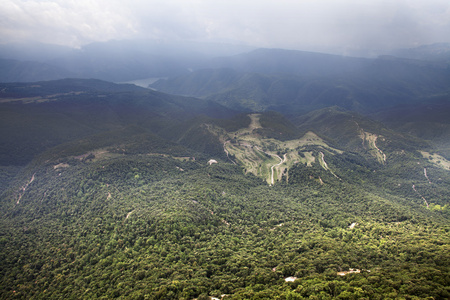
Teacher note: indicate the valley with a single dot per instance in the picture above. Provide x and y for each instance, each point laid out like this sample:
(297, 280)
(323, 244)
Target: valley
(265, 175)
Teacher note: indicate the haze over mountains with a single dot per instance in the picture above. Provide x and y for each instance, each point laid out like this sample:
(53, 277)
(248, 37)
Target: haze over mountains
(252, 80)
(235, 172)
(128, 60)
(112, 61)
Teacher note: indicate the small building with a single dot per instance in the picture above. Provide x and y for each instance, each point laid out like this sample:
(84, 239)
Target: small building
(290, 279)
(212, 161)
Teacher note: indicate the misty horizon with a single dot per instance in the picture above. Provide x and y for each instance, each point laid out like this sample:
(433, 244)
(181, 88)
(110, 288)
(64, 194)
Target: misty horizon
(345, 27)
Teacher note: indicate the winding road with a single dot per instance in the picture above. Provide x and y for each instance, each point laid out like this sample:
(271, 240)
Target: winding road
(378, 149)
(426, 176)
(326, 166)
(276, 165)
(226, 151)
(420, 195)
(24, 188)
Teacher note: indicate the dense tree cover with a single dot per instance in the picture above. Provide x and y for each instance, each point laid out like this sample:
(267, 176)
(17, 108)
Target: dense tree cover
(275, 125)
(37, 117)
(127, 206)
(139, 226)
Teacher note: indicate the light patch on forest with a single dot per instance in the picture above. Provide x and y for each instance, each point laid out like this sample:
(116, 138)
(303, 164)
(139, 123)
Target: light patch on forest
(267, 157)
(129, 214)
(349, 272)
(369, 141)
(24, 188)
(437, 160)
(60, 166)
(179, 158)
(254, 124)
(95, 155)
(212, 161)
(325, 165)
(39, 99)
(290, 279)
(310, 159)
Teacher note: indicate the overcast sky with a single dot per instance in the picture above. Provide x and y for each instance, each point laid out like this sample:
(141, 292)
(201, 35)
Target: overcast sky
(292, 24)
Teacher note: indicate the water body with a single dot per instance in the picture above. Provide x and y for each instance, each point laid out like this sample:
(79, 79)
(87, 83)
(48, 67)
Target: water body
(145, 82)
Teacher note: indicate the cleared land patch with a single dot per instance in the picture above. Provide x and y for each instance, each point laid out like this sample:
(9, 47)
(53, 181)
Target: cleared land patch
(369, 141)
(39, 99)
(437, 160)
(267, 157)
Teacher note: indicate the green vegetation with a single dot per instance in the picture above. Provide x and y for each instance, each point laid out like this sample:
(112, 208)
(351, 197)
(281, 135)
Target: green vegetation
(259, 153)
(141, 195)
(139, 226)
(29, 127)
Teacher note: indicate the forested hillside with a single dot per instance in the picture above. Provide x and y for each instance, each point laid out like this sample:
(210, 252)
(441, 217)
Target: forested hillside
(38, 116)
(112, 191)
(298, 82)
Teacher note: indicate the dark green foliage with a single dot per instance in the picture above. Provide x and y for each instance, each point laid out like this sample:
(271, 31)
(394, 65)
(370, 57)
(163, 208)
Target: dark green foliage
(139, 226)
(118, 204)
(235, 123)
(129, 140)
(195, 134)
(427, 120)
(275, 125)
(344, 128)
(37, 118)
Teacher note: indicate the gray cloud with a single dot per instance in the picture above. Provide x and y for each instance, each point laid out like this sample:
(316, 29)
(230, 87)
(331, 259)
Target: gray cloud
(296, 24)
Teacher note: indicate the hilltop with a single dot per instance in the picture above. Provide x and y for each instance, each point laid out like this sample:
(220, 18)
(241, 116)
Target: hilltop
(116, 191)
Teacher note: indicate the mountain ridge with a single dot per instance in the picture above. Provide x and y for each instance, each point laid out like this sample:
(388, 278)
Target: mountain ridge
(372, 86)
(115, 191)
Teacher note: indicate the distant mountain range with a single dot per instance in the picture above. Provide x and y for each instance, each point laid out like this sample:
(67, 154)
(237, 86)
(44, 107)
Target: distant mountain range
(116, 61)
(28, 71)
(439, 53)
(128, 60)
(355, 84)
(261, 174)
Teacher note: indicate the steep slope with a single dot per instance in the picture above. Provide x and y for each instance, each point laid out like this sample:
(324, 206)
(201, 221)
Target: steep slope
(353, 131)
(331, 146)
(427, 120)
(35, 117)
(199, 83)
(157, 225)
(379, 84)
(241, 91)
(137, 194)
